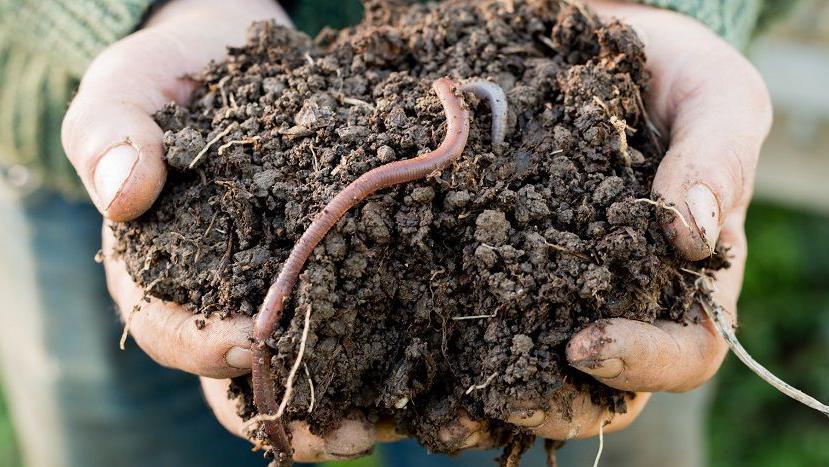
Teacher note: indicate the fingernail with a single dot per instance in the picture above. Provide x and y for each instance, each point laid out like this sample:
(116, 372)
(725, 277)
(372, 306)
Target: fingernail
(239, 357)
(353, 438)
(348, 456)
(527, 418)
(608, 368)
(112, 172)
(705, 211)
(471, 441)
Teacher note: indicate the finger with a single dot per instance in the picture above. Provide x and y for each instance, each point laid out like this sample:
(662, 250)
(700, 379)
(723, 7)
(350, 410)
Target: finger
(168, 333)
(632, 355)
(217, 397)
(578, 419)
(465, 433)
(719, 113)
(664, 356)
(108, 132)
(354, 438)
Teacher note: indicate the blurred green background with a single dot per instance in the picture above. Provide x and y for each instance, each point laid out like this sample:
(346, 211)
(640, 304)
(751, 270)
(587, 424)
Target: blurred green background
(784, 323)
(784, 308)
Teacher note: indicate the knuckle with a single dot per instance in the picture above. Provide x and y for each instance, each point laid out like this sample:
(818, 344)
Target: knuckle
(736, 156)
(182, 334)
(121, 56)
(72, 136)
(354, 438)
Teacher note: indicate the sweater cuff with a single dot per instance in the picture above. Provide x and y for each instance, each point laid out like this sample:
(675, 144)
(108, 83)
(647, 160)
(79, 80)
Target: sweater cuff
(73, 32)
(734, 20)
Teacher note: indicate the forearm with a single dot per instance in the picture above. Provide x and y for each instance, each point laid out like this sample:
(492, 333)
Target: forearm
(733, 20)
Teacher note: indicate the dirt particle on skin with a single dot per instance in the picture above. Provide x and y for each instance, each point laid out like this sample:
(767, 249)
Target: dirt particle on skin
(425, 289)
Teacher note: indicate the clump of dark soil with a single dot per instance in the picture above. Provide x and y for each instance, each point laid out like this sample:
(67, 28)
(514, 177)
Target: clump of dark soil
(479, 273)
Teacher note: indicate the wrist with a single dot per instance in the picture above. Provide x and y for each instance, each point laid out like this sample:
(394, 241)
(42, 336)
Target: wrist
(217, 10)
(734, 21)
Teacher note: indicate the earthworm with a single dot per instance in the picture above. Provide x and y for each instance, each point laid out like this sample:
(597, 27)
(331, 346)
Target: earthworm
(484, 89)
(394, 173)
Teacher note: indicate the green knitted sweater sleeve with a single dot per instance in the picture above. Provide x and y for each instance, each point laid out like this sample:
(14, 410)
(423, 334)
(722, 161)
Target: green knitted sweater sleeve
(45, 45)
(734, 20)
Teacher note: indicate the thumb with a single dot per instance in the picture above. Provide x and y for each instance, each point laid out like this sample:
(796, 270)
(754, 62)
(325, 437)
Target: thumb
(720, 116)
(109, 133)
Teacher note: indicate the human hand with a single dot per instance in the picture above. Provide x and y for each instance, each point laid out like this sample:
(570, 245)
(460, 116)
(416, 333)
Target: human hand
(715, 107)
(116, 147)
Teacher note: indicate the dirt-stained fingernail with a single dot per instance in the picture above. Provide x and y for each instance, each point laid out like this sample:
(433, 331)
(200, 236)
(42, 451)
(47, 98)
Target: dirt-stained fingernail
(705, 211)
(527, 418)
(471, 440)
(353, 438)
(348, 456)
(607, 368)
(239, 357)
(113, 171)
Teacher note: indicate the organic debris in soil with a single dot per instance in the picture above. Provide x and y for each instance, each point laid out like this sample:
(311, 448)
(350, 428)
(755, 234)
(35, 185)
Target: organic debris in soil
(479, 273)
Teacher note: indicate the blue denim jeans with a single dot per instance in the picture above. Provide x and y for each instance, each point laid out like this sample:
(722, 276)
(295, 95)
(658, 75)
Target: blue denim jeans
(78, 401)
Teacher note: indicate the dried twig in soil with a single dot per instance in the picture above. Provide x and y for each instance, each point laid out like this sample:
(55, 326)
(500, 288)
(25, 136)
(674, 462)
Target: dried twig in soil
(621, 128)
(561, 249)
(210, 144)
(719, 317)
(227, 145)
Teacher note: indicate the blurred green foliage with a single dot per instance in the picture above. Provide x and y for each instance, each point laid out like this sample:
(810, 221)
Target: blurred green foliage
(784, 323)
(8, 449)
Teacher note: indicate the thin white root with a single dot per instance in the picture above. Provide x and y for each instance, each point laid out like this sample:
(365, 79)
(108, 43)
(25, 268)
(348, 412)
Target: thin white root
(548, 42)
(289, 383)
(401, 403)
(464, 318)
(601, 445)
(122, 342)
(483, 385)
(662, 205)
(210, 144)
(255, 422)
(720, 319)
(357, 102)
(227, 145)
(311, 386)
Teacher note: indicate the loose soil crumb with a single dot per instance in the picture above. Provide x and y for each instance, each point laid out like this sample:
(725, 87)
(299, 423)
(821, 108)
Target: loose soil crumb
(427, 289)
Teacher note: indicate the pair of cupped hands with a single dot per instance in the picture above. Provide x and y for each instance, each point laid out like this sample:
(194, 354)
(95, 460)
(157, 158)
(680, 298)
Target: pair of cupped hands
(705, 96)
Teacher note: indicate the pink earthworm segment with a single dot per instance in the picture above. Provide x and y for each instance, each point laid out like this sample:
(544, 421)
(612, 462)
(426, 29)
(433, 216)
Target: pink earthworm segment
(394, 173)
(484, 89)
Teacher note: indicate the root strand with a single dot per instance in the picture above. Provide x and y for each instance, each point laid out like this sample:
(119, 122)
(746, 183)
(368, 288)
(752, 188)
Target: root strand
(719, 317)
(289, 383)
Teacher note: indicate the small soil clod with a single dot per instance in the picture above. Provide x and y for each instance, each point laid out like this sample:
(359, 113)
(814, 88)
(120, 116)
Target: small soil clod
(457, 291)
